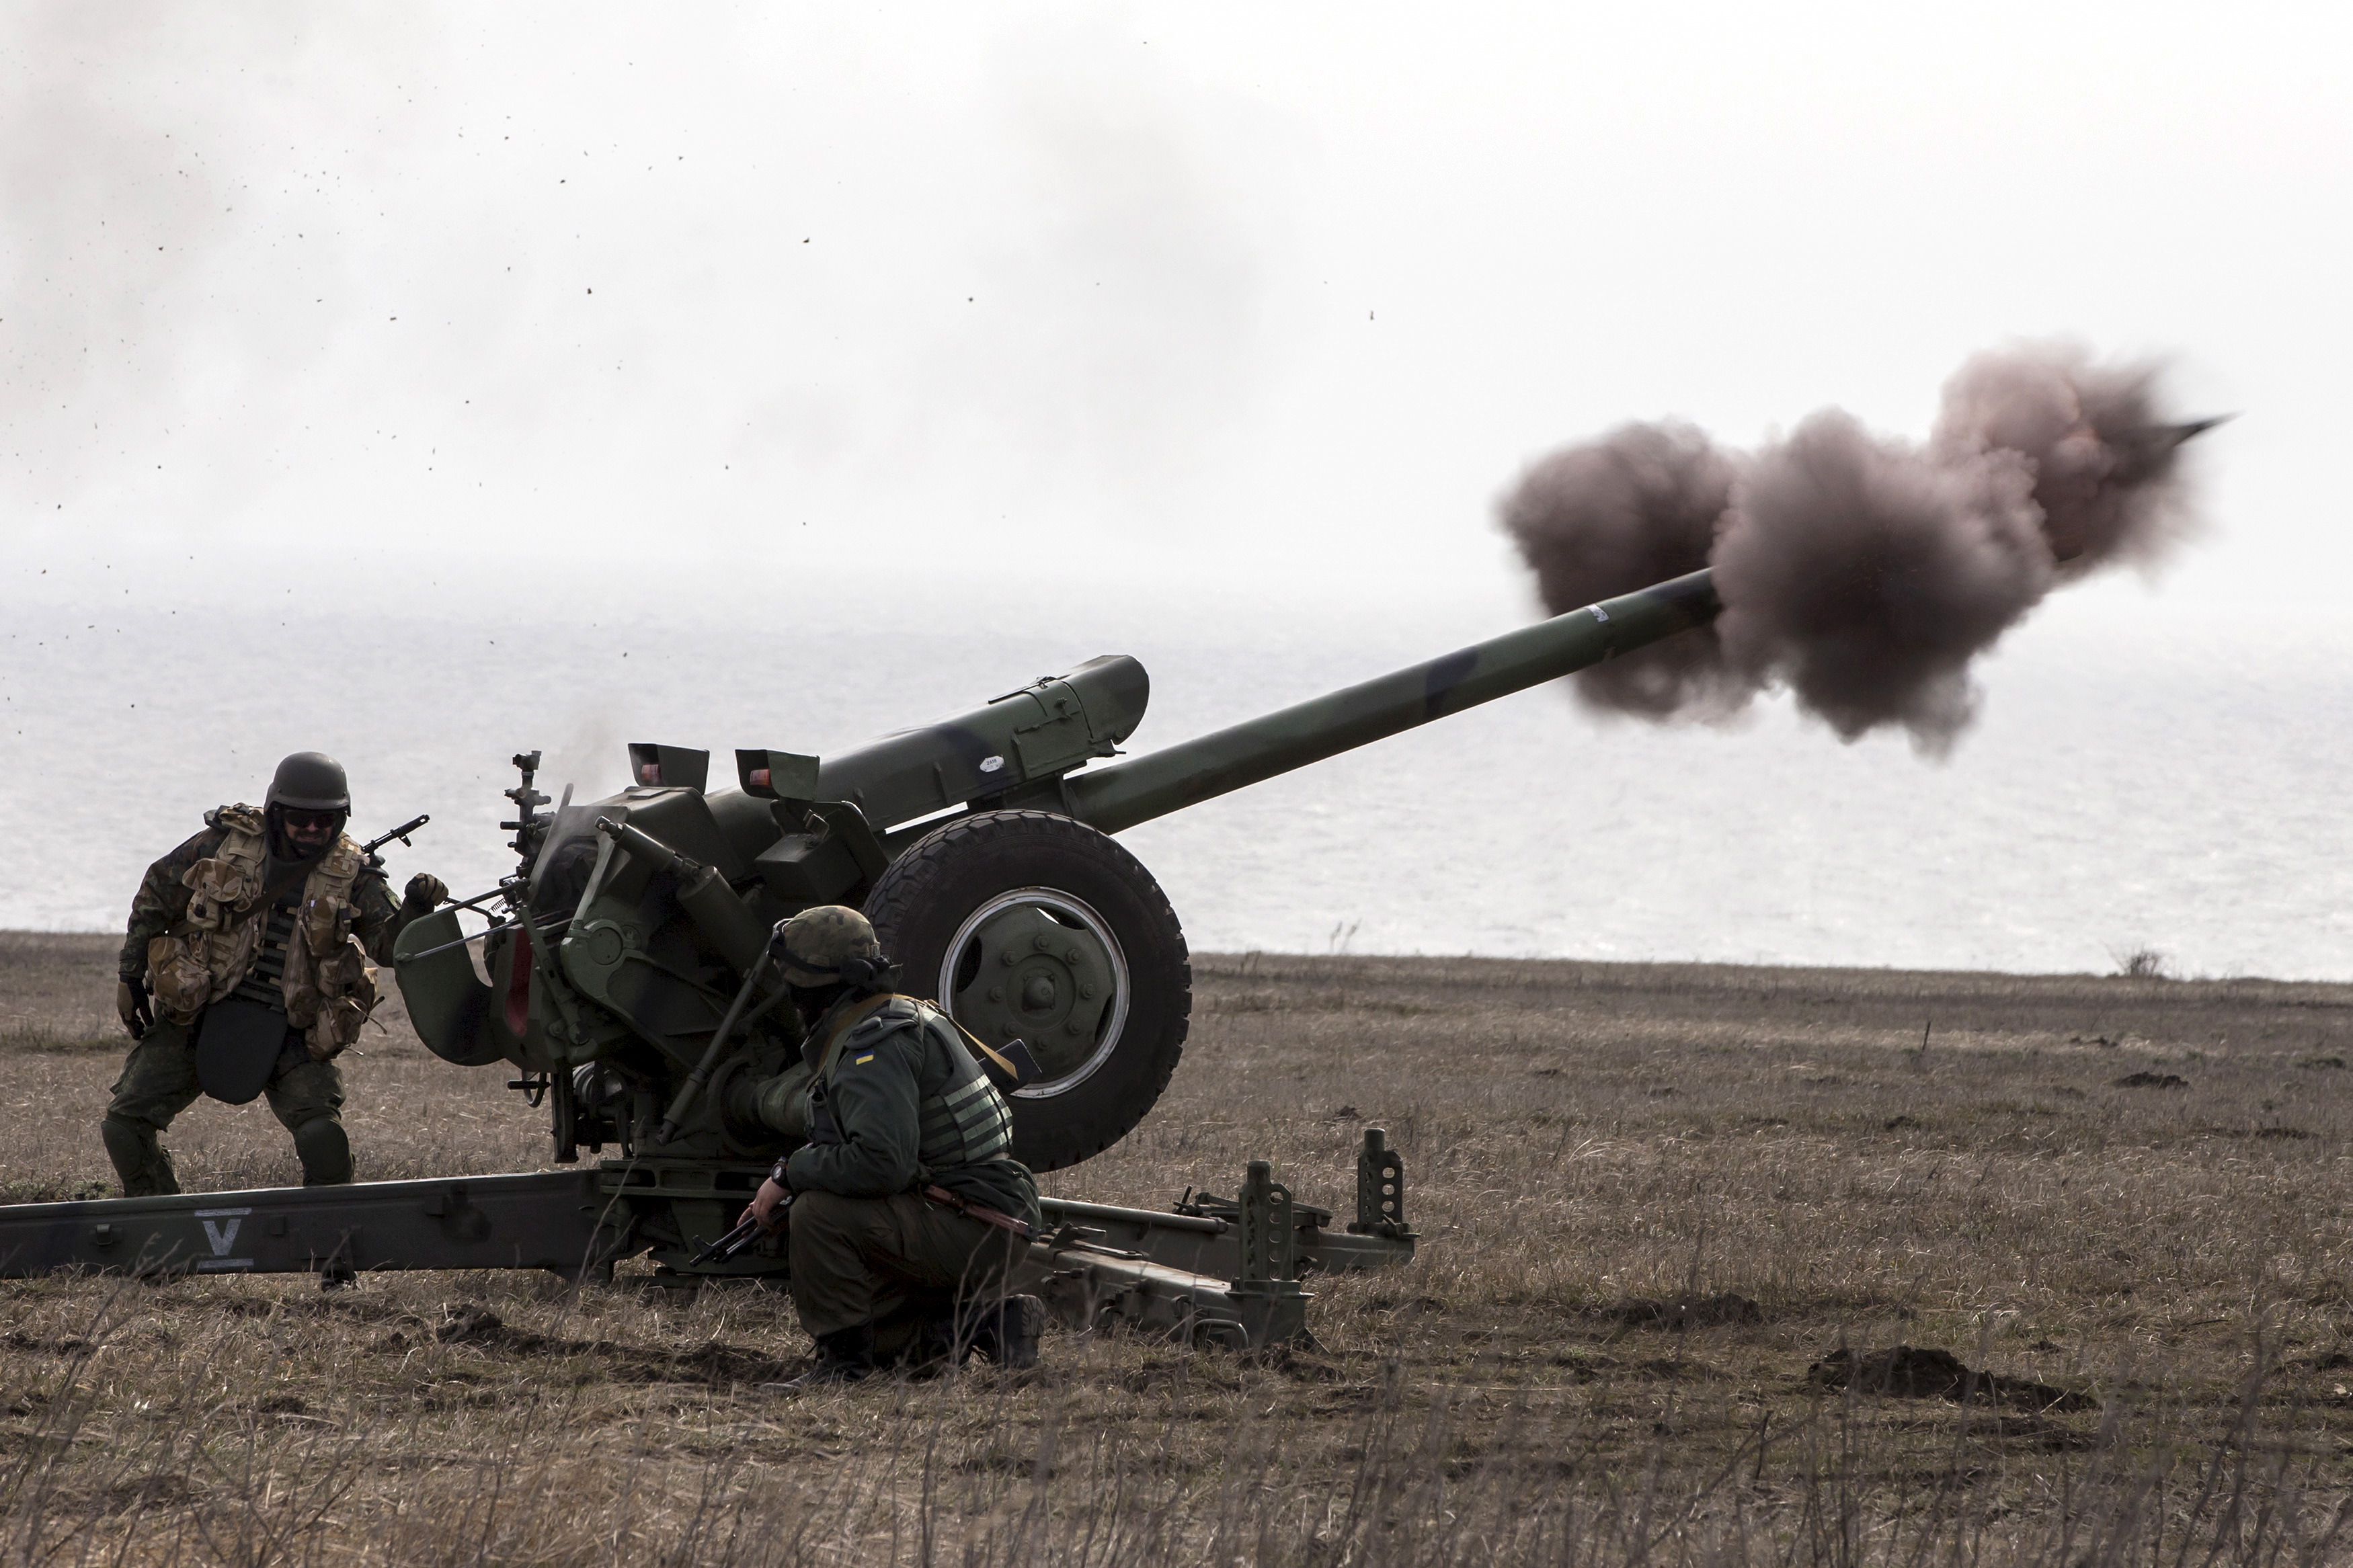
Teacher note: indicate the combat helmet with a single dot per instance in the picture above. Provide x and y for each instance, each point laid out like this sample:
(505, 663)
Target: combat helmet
(309, 781)
(831, 944)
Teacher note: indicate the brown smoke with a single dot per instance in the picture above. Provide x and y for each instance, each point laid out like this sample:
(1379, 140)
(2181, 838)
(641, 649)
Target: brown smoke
(1637, 507)
(1866, 577)
(2104, 457)
(1864, 573)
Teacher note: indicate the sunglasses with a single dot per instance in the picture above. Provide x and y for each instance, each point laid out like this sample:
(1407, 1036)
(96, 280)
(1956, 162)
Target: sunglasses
(307, 821)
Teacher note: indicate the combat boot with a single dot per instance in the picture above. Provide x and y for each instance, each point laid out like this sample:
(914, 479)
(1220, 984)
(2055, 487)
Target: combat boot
(845, 1355)
(930, 1349)
(1007, 1332)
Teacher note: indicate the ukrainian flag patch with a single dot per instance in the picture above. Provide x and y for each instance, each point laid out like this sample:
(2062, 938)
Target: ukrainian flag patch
(864, 1060)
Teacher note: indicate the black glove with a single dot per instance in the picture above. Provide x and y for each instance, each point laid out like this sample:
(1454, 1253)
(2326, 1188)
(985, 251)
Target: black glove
(131, 1002)
(425, 892)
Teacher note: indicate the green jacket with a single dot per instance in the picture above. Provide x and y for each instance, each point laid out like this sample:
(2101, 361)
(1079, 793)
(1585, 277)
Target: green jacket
(899, 1103)
(161, 902)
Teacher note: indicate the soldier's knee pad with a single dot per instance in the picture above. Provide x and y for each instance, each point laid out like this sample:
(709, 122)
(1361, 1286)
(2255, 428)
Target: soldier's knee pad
(139, 1162)
(117, 1128)
(325, 1152)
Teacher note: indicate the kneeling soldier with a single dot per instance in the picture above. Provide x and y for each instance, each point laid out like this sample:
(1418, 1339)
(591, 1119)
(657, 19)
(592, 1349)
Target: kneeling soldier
(907, 1210)
(246, 971)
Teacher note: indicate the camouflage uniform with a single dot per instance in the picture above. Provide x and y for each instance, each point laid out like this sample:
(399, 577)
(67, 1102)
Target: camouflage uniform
(898, 1105)
(159, 1078)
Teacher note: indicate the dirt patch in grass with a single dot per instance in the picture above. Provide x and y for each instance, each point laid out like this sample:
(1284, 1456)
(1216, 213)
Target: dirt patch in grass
(1721, 1310)
(1916, 1372)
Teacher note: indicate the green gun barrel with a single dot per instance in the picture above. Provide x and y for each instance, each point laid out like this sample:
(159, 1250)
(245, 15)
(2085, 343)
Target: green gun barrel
(1120, 796)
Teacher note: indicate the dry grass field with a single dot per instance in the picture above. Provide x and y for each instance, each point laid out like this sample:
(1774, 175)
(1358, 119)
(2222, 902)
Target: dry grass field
(1719, 1265)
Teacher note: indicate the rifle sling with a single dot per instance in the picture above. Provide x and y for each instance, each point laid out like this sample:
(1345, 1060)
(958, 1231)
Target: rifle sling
(981, 1212)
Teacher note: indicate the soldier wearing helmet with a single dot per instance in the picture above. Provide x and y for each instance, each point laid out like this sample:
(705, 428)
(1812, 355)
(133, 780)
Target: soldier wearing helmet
(906, 1209)
(244, 972)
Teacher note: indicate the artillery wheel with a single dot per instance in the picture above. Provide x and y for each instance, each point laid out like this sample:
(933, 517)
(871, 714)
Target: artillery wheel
(1031, 925)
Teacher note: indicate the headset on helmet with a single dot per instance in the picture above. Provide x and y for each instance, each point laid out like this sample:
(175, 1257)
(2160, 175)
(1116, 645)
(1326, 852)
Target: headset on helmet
(831, 944)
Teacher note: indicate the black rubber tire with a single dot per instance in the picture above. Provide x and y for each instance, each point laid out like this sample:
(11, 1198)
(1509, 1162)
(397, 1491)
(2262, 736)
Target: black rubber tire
(920, 901)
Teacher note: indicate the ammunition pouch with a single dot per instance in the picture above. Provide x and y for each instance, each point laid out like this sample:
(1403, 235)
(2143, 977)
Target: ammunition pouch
(328, 988)
(208, 950)
(221, 889)
(180, 975)
(338, 995)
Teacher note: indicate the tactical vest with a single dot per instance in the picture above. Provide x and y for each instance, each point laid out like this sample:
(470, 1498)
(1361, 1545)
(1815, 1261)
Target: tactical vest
(324, 979)
(964, 1120)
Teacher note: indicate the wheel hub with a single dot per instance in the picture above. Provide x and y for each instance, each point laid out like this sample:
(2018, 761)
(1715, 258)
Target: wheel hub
(1041, 967)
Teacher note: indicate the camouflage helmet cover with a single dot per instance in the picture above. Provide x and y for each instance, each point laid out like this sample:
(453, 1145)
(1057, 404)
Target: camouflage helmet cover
(821, 946)
(309, 781)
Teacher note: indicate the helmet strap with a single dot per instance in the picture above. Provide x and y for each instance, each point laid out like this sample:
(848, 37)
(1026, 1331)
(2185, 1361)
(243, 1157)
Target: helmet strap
(870, 973)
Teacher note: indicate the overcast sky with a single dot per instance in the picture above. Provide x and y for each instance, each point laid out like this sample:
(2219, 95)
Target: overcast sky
(1066, 291)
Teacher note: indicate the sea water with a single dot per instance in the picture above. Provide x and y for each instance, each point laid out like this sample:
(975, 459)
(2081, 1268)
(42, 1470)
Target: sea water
(2143, 777)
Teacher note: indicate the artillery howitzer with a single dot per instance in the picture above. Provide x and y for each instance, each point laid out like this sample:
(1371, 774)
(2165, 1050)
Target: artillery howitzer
(624, 978)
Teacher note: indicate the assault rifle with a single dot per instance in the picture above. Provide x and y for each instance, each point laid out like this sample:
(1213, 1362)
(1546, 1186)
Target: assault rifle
(745, 1233)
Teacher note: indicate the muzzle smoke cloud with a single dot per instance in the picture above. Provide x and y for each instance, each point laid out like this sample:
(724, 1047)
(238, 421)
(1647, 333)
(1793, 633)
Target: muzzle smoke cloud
(1860, 572)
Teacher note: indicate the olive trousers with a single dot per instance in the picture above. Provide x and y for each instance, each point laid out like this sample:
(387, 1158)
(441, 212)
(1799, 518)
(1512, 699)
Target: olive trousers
(159, 1081)
(888, 1261)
